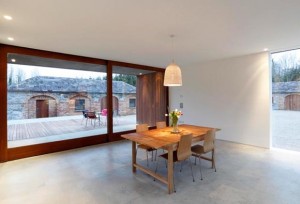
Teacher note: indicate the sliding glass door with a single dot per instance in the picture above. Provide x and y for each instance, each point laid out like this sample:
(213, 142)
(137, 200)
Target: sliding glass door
(53, 102)
(48, 99)
(286, 100)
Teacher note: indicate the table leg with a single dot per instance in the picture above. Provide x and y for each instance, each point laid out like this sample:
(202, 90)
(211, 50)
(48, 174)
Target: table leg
(133, 156)
(170, 169)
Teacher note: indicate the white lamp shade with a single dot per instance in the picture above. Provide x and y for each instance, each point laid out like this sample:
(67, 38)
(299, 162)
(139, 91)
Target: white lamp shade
(173, 76)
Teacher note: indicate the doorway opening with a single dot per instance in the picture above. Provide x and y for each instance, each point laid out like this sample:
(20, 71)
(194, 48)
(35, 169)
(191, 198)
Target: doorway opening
(286, 100)
(42, 109)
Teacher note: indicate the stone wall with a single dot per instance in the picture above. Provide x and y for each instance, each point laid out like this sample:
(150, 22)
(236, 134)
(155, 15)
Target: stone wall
(22, 105)
(278, 100)
(124, 108)
(281, 90)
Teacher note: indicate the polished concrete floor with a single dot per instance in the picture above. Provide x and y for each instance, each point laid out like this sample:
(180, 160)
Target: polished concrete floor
(102, 174)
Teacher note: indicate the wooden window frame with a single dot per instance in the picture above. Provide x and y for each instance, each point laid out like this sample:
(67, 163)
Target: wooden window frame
(8, 154)
(134, 103)
(76, 101)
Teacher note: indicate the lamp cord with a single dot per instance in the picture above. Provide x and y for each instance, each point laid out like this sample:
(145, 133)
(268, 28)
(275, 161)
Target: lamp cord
(173, 49)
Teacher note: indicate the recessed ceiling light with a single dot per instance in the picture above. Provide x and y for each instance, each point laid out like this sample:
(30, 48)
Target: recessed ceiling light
(266, 49)
(13, 60)
(7, 17)
(10, 38)
(140, 73)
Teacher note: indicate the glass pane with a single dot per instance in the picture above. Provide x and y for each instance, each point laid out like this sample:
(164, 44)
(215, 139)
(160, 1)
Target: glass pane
(138, 97)
(286, 100)
(48, 99)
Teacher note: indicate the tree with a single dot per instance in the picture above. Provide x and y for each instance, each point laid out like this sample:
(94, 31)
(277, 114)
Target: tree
(129, 79)
(10, 78)
(286, 67)
(20, 76)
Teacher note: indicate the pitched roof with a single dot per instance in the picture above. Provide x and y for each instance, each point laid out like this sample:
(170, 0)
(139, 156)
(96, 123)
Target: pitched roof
(286, 87)
(63, 84)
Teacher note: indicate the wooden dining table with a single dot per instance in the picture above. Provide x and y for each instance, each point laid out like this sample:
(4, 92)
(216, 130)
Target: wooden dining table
(163, 138)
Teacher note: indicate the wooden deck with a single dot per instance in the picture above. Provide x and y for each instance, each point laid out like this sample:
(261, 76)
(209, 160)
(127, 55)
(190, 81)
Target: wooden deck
(48, 128)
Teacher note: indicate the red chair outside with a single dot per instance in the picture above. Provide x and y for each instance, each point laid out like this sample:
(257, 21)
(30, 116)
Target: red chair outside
(104, 115)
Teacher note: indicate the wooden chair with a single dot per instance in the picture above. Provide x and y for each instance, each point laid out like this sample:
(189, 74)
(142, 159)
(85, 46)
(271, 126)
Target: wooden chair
(84, 114)
(103, 113)
(92, 117)
(182, 153)
(142, 128)
(161, 124)
(208, 146)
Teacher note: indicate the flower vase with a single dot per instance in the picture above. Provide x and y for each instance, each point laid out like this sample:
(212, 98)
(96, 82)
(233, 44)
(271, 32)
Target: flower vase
(175, 125)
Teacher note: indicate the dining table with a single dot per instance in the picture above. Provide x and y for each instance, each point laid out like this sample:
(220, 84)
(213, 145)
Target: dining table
(164, 138)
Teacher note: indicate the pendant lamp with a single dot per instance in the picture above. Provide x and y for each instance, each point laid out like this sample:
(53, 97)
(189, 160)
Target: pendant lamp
(173, 74)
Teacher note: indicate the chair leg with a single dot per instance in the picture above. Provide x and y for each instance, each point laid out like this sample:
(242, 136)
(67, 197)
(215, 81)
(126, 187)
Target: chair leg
(147, 158)
(155, 155)
(156, 167)
(200, 166)
(191, 165)
(195, 160)
(137, 148)
(181, 166)
(151, 155)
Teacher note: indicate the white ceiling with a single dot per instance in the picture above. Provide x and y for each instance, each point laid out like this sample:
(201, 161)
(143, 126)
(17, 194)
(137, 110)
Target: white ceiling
(137, 31)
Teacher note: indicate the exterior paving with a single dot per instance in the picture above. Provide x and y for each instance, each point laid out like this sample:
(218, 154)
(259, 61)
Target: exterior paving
(286, 129)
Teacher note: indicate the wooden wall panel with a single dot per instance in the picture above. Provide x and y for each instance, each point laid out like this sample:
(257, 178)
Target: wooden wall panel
(151, 98)
(160, 98)
(3, 104)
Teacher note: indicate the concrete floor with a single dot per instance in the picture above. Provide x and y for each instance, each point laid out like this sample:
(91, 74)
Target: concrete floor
(102, 174)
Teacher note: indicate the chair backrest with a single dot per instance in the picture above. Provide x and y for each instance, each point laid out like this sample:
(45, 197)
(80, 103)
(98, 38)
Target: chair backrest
(84, 113)
(141, 127)
(209, 140)
(91, 115)
(184, 147)
(161, 124)
(104, 112)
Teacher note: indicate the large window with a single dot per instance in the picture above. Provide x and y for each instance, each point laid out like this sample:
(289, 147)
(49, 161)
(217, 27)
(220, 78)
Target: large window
(56, 101)
(132, 103)
(286, 100)
(79, 104)
(46, 99)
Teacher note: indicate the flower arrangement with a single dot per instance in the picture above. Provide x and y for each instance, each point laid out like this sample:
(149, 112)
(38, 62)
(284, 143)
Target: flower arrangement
(174, 117)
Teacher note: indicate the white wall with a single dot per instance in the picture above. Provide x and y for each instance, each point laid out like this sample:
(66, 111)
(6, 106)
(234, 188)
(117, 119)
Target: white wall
(231, 94)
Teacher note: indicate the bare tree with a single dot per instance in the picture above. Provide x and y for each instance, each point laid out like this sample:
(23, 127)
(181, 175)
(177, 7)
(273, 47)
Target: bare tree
(288, 60)
(10, 77)
(20, 76)
(285, 67)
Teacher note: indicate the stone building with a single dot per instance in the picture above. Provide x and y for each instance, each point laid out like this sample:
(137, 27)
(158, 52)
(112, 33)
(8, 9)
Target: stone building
(43, 96)
(286, 95)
